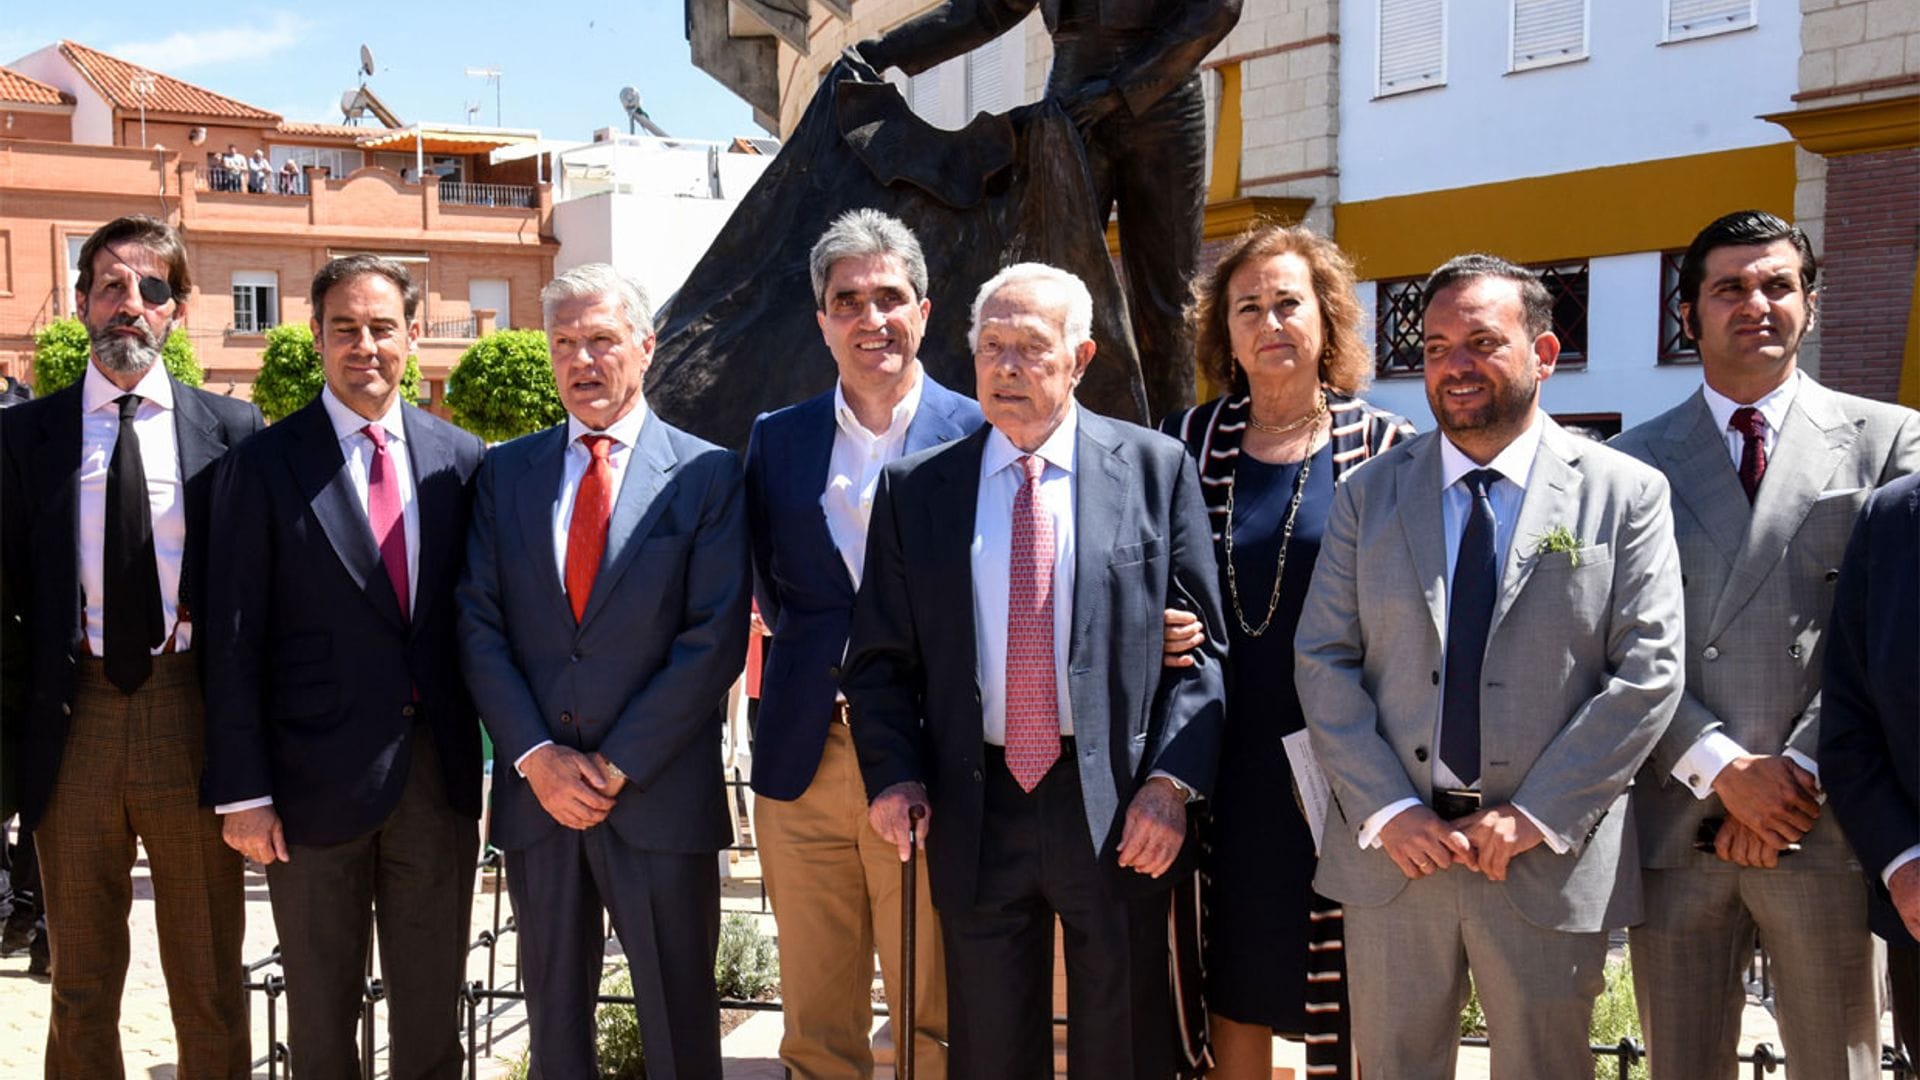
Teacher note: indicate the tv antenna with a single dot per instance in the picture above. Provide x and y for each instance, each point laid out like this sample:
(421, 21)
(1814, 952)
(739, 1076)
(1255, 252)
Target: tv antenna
(637, 114)
(492, 75)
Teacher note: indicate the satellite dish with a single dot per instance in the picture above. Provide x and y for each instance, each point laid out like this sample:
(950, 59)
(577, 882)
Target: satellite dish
(629, 98)
(366, 60)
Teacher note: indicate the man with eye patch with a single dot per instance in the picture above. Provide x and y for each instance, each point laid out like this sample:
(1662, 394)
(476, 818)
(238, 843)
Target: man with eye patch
(105, 514)
(1768, 470)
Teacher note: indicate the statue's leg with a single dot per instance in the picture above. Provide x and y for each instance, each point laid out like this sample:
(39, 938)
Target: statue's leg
(1158, 175)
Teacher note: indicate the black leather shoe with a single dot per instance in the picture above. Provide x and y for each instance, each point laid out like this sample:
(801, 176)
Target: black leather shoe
(38, 955)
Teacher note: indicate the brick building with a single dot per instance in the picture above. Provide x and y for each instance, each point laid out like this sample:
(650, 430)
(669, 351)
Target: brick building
(85, 137)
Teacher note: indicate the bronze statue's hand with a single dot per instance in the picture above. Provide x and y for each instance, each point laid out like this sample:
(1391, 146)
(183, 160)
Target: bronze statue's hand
(1091, 102)
(871, 52)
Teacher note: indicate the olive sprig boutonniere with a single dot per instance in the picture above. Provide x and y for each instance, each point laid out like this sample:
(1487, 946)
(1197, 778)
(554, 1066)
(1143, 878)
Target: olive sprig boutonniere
(1559, 538)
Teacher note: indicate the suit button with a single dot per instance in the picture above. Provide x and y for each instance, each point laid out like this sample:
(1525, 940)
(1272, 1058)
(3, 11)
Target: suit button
(976, 776)
(406, 710)
(1419, 753)
(833, 672)
(1833, 576)
(566, 718)
(66, 709)
(1435, 676)
(1710, 653)
(1793, 650)
(576, 656)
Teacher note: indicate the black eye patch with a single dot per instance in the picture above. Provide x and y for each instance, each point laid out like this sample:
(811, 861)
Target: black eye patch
(155, 291)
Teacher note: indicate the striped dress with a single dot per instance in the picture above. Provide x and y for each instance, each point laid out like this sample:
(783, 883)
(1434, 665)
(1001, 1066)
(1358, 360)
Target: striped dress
(1212, 433)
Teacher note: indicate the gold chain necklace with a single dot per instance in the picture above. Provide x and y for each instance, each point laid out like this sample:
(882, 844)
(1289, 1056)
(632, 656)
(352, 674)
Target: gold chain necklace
(1319, 410)
(1286, 536)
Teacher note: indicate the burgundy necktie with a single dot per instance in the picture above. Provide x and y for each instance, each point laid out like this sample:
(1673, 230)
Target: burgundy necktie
(1753, 457)
(587, 532)
(383, 513)
(1032, 704)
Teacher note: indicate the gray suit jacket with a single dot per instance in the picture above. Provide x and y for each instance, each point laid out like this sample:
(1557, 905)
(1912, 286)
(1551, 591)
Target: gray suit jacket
(1759, 587)
(1582, 668)
(641, 678)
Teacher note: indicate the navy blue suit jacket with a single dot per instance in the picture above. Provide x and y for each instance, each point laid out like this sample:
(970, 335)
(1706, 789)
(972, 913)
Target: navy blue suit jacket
(315, 677)
(40, 564)
(643, 677)
(1870, 695)
(1141, 545)
(799, 579)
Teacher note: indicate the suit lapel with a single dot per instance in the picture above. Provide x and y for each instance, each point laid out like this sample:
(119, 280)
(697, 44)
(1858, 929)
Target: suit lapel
(1552, 499)
(428, 453)
(955, 494)
(1694, 456)
(1417, 499)
(649, 468)
(320, 469)
(196, 435)
(1101, 482)
(1814, 440)
(535, 491)
(812, 462)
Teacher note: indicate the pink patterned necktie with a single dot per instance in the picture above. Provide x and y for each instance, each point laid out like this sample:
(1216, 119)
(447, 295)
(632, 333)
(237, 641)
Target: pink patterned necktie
(1753, 455)
(383, 513)
(1032, 704)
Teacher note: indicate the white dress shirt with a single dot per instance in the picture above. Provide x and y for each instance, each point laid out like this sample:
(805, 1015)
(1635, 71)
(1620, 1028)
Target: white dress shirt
(992, 556)
(854, 471)
(625, 432)
(1714, 751)
(153, 425)
(1514, 463)
(357, 448)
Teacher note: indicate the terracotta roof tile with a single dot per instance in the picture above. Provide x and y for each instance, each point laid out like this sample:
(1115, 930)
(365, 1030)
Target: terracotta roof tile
(17, 87)
(304, 127)
(113, 77)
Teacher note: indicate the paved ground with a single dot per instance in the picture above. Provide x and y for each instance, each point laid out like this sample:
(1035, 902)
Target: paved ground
(751, 1050)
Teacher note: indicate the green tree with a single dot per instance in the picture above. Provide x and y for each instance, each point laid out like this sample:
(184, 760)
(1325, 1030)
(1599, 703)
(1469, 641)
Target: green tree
(60, 352)
(290, 373)
(502, 387)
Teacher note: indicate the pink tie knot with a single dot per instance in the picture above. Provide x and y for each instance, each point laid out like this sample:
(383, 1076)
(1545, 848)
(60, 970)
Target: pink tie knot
(1033, 465)
(1747, 421)
(379, 436)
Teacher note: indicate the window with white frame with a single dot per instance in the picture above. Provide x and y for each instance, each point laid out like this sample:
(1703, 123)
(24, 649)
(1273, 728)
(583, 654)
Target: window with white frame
(1703, 18)
(75, 242)
(256, 301)
(490, 294)
(1413, 45)
(1546, 32)
(338, 162)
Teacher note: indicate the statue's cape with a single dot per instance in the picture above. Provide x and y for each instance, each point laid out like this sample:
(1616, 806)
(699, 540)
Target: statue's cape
(740, 337)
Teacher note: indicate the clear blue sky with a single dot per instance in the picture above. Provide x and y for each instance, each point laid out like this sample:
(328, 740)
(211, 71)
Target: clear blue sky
(564, 62)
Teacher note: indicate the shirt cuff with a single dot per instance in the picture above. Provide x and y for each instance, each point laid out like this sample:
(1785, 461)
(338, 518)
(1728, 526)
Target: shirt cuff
(1900, 860)
(1552, 838)
(243, 804)
(1370, 828)
(1703, 761)
(522, 759)
(1185, 789)
(1806, 763)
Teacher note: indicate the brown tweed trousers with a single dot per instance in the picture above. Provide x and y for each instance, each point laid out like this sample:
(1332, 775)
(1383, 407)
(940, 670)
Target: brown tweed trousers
(131, 772)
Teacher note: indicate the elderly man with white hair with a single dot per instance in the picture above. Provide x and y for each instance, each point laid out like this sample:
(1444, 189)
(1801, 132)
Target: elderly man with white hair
(603, 615)
(1004, 675)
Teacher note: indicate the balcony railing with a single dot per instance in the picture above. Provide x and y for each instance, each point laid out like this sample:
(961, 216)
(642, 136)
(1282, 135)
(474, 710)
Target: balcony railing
(462, 328)
(487, 194)
(276, 182)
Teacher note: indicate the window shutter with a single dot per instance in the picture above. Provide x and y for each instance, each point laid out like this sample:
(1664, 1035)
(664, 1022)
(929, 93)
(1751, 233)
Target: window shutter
(1698, 18)
(1412, 44)
(1548, 32)
(923, 94)
(987, 79)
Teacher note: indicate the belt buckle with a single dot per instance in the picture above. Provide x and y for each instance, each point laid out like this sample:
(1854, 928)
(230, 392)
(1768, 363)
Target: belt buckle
(1452, 803)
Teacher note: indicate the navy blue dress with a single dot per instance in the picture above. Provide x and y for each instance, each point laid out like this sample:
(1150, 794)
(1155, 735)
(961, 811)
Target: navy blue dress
(1258, 862)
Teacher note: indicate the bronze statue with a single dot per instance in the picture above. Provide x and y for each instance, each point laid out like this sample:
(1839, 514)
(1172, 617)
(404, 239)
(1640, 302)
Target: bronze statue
(1125, 71)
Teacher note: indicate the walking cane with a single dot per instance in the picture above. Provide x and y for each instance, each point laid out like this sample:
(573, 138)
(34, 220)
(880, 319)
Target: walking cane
(909, 882)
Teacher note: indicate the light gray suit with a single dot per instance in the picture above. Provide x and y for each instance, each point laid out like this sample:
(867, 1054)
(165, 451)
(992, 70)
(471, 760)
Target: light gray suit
(1759, 585)
(1582, 672)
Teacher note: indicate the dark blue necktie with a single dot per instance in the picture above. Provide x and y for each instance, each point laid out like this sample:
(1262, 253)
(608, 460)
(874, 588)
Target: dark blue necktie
(1476, 579)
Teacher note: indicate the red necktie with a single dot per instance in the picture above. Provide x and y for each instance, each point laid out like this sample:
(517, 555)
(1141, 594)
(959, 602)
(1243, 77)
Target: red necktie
(1753, 457)
(1032, 704)
(383, 513)
(587, 532)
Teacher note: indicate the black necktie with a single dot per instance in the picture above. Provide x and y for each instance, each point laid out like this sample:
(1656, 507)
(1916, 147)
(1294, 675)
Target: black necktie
(1476, 577)
(132, 624)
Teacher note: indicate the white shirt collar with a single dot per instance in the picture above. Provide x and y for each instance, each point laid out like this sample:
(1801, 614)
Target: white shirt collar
(347, 423)
(625, 431)
(1057, 451)
(903, 412)
(98, 392)
(1514, 462)
(1773, 407)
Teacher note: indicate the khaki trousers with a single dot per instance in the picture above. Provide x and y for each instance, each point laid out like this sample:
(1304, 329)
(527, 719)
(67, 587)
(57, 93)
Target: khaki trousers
(835, 889)
(131, 773)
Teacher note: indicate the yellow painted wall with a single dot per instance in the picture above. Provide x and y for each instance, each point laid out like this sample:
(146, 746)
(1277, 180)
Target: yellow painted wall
(1646, 206)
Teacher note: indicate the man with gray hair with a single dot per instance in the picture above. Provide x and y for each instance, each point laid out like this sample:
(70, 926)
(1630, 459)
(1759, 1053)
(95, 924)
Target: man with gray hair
(603, 615)
(1009, 621)
(833, 881)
